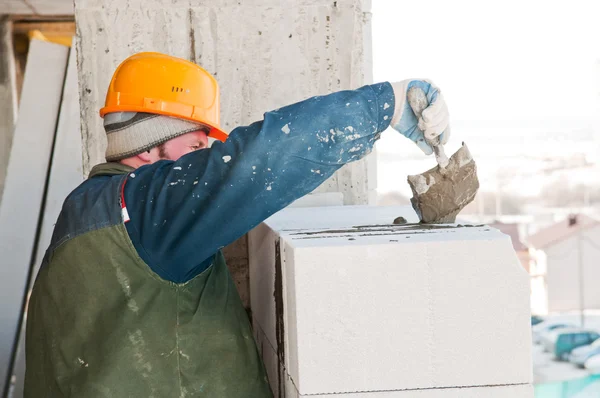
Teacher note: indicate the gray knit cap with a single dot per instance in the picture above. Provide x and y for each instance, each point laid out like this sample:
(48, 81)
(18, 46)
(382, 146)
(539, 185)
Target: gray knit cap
(131, 133)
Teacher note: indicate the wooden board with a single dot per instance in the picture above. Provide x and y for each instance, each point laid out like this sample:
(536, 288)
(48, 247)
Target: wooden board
(25, 184)
(66, 173)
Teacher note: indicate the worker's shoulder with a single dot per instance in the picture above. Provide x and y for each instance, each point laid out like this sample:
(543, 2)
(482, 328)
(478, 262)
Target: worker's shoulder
(94, 204)
(99, 195)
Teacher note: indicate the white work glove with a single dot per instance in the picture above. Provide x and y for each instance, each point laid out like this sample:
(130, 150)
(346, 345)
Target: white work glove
(434, 120)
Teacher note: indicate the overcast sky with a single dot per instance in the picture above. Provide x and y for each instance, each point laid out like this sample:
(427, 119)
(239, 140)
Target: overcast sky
(521, 78)
(527, 61)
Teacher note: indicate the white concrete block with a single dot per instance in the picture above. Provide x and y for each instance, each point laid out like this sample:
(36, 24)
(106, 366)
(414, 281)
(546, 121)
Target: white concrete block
(389, 307)
(339, 217)
(320, 199)
(516, 391)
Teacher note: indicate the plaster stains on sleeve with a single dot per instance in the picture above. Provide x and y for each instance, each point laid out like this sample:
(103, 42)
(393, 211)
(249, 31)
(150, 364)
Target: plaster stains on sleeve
(323, 138)
(195, 182)
(226, 158)
(386, 117)
(350, 129)
(355, 149)
(286, 128)
(332, 132)
(385, 106)
(132, 175)
(83, 363)
(352, 137)
(177, 168)
(348, 104)
(182, 181)
(269, 188)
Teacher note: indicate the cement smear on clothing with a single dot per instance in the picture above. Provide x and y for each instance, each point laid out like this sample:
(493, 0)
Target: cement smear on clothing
(440, 194)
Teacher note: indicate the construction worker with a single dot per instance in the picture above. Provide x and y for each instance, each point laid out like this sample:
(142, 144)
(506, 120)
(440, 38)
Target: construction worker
(134, 298)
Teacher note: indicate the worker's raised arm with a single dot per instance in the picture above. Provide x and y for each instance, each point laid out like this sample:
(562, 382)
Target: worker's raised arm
(183, 212)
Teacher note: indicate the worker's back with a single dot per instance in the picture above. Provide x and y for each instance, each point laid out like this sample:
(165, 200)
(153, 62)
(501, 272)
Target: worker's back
(101, 323)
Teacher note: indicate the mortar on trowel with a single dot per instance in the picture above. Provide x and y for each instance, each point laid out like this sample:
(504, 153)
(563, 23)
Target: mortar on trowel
(441, 193)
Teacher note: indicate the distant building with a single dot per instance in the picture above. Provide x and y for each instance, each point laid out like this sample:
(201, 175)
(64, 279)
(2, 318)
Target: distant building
(522, 250)
(566, 272)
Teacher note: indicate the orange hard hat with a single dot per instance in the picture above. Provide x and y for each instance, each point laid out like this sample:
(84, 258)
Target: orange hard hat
(157, 83)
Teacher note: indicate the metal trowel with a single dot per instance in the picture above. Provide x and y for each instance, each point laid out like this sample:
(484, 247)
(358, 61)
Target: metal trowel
(441, 193)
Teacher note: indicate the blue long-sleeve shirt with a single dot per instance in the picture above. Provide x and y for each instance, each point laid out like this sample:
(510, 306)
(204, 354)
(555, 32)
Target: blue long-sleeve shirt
(182, 212)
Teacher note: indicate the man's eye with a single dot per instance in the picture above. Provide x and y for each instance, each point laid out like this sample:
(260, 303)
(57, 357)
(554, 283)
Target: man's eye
(196, 147)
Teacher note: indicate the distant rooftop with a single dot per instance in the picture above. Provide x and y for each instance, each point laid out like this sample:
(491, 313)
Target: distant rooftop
(561, 231)
(511, 230)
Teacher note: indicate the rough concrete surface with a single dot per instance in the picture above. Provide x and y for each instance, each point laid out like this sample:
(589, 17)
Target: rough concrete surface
(372, 307)
(264, 53)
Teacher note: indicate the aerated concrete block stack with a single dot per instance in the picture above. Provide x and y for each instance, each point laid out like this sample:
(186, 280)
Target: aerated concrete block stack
(346, 303)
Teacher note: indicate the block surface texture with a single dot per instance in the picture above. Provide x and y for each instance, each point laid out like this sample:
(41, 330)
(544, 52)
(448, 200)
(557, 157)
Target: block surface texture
(345, 302)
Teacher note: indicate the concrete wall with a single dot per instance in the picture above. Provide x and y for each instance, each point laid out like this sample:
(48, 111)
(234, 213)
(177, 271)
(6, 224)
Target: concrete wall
(345, 303)
(8, 96)
(563, 272)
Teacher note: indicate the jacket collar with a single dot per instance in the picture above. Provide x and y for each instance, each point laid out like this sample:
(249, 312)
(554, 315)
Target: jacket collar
(109, 169)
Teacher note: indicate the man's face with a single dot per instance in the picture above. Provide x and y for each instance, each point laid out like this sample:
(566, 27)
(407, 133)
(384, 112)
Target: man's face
(179, 146)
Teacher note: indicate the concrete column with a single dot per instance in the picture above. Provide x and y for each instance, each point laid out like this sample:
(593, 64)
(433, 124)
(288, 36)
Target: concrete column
(264, 53)
(346, 303)
(8, 96)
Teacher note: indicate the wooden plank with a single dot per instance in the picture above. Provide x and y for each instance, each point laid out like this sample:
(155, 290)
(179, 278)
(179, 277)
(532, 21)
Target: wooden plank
(25, 184)
(48, 28)
(66, 173)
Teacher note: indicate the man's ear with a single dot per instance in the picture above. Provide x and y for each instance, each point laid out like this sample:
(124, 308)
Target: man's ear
(145, 157)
